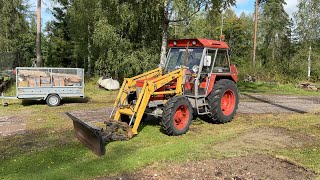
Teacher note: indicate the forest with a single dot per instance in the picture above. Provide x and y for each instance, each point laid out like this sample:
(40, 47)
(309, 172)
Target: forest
(121, 38)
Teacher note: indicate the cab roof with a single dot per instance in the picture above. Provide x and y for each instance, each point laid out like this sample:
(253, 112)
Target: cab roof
(198, 42)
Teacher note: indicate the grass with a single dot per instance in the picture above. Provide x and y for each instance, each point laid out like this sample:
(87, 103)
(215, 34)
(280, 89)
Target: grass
(49, 150)
(274, 88)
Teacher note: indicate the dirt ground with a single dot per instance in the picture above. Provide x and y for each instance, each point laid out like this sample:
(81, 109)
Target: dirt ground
(237, 168)
(253, 166)
(264, 139)
(10, 125)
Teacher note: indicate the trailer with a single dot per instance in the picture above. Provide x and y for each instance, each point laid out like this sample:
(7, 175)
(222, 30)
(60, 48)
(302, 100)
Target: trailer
(49, 84)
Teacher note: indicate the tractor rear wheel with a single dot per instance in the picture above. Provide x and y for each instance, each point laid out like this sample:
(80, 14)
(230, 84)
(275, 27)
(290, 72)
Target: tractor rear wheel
(223, 101)
(177, 116)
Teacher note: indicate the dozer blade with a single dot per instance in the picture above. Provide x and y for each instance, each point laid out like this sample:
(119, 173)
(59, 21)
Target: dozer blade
(94, 138)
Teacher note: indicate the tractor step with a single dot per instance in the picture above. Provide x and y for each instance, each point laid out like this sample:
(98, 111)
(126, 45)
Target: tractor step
(96, 138)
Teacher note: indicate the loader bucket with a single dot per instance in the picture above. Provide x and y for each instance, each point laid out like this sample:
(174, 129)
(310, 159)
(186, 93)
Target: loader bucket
(90, 136)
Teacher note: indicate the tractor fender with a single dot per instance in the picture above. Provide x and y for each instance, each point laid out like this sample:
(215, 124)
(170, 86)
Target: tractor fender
(215, 77)
(233, 76)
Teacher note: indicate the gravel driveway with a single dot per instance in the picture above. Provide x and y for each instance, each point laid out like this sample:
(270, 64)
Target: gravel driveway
(255, 104)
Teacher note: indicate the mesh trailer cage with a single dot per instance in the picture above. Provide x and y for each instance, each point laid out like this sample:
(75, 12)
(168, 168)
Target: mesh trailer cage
(49, 77)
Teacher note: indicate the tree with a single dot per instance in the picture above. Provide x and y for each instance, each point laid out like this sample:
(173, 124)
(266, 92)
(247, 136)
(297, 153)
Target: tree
(38, 37)
(60, 52)
(13, 23)
(124, 32)
(308, 32)
(182, 11)
(307, 20)
(274, 22)
(239, 36)
(17, 33)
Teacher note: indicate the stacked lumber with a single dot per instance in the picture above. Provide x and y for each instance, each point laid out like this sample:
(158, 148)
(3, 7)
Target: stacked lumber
(69, 79)
(32, 73)
(34, 78)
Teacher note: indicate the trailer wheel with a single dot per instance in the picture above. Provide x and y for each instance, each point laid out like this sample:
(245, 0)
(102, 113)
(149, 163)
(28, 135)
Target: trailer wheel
(177, 116)
(53, 100)
(223, 101)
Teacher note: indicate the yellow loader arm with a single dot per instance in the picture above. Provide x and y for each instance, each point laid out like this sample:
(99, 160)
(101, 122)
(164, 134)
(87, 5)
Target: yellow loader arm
(96, 138)
(149, 88)
(129, 85)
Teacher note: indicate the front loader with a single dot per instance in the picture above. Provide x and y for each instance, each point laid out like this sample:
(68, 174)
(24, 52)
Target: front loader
(197, 80)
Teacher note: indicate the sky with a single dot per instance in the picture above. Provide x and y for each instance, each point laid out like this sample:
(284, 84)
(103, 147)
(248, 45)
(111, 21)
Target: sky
(246, 6)
(46, 7)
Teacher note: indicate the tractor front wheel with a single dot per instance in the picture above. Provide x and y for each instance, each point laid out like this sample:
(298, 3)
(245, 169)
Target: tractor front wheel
(223, 101)
(177, 116)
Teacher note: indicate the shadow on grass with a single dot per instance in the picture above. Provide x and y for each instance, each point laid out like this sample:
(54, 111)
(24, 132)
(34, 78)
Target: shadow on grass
(31, 140)
(40, 154)
(75, 100)
(28, 102)
(275, 104)
(150, 121)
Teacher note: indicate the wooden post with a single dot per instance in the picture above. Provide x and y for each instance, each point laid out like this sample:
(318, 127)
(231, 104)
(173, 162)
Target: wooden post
(255, 34)
(222, 21)
(89, 51)
(38, 38)
(309, 63)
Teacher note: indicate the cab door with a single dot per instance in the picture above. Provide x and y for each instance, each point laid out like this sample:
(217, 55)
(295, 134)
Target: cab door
(205, 71)
(221, 62)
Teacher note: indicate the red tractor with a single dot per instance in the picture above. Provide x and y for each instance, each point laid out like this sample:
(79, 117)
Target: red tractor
(197, 80)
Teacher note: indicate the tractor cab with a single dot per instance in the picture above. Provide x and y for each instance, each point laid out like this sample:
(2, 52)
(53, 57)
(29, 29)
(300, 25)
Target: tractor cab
(204, 60)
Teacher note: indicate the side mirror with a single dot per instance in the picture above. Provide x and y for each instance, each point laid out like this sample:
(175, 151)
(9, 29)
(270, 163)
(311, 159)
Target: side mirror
(207, 61)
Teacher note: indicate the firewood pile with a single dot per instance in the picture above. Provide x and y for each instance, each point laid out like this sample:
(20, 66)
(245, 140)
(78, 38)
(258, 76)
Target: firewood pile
(309, 86)
(29, 78)
(249, 79)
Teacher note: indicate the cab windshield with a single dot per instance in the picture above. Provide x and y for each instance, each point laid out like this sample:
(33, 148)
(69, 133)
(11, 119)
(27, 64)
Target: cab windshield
(177, 58)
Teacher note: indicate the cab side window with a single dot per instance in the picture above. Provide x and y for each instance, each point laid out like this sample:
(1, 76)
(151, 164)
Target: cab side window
(208, 61)
(221, 64)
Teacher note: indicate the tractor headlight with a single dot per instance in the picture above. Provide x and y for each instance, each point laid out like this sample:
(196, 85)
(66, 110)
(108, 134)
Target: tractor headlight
(195, 68)
(175, 43)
